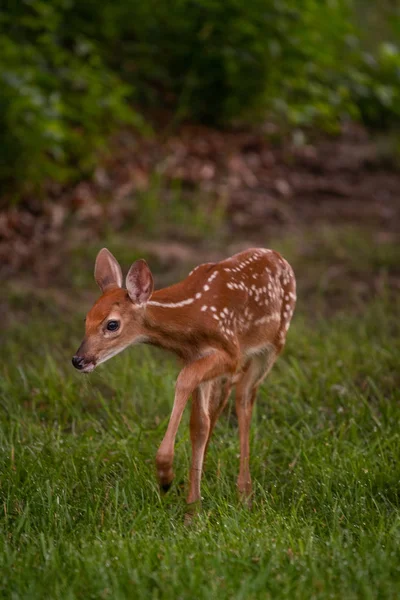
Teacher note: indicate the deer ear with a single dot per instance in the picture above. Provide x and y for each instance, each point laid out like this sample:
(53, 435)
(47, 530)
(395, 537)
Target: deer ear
(107, 271)
(139, 282)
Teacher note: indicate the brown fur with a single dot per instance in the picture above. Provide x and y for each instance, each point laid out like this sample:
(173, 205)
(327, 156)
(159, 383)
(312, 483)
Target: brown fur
(115, 297)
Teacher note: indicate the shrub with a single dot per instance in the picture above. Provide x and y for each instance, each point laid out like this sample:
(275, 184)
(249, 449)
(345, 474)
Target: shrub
(376, 87)
(71, 70)
(58, 101)
(217, 61)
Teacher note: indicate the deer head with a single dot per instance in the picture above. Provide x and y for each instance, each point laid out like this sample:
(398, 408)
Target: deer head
(115, 320)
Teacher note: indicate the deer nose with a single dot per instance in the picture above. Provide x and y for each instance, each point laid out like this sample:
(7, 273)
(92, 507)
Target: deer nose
(78, 361)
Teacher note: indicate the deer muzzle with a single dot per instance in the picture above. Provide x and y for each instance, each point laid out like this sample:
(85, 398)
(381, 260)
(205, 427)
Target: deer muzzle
(82, 361)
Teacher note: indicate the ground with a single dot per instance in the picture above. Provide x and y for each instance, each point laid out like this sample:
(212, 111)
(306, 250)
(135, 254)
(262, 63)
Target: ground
(81, 515)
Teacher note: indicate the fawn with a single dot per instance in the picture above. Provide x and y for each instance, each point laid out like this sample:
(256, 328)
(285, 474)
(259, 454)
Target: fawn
(226, 321)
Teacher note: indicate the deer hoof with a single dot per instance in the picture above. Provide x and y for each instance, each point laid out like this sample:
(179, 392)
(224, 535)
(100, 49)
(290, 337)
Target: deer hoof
(165, 487)
(193, 509)
(245, 493)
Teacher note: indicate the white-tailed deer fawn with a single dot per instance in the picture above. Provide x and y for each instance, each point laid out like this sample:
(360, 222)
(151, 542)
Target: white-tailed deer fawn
(226, 321)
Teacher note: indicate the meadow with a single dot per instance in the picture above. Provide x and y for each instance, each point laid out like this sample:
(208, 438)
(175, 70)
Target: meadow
(81, 515)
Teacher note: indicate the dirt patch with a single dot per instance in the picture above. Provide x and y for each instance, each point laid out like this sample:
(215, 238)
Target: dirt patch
(261, 189)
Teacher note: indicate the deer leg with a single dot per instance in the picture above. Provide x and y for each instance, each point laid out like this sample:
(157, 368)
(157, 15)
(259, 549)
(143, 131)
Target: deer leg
(246, 392)
(192, 375)
(208, 402)
(218, 399)
(245, 396)
(199, 431)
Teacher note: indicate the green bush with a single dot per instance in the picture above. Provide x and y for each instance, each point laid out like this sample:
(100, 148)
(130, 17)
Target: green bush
(58, 100)
(376, 87)
(218, 61)
(212, 61)
(70, 72)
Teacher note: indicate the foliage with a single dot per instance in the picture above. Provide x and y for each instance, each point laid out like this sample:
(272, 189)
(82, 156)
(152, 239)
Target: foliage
(70, 72)
(58, 100)
(376, 87)
(301, 61)
(217, 62)
(335, 77)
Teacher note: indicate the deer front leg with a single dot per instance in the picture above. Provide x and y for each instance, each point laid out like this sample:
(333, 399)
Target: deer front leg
(192, 375)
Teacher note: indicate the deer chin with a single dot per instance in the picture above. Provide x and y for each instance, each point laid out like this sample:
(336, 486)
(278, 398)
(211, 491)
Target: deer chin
(109, 355)
(89, 368)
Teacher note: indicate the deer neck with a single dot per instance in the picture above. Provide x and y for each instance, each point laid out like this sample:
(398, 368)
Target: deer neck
(168, 325)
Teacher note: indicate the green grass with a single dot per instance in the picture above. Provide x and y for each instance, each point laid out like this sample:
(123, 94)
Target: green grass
(80, 511)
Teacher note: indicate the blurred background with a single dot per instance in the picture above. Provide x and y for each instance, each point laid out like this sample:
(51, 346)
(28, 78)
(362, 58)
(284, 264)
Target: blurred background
(186, 130)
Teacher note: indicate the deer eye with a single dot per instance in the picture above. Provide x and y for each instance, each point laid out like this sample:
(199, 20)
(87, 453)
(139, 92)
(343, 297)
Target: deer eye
(112, 325)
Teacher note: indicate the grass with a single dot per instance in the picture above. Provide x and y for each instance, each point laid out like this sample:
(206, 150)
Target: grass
(80, 511)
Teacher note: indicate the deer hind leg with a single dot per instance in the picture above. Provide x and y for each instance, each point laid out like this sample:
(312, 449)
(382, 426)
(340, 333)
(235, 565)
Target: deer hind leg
(208, 401)
(200, 423)
(246, 390)
(220, 392)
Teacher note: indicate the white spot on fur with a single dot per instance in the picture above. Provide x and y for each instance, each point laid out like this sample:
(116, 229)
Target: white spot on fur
(274, 317)
(193, 270)
(171, 304)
